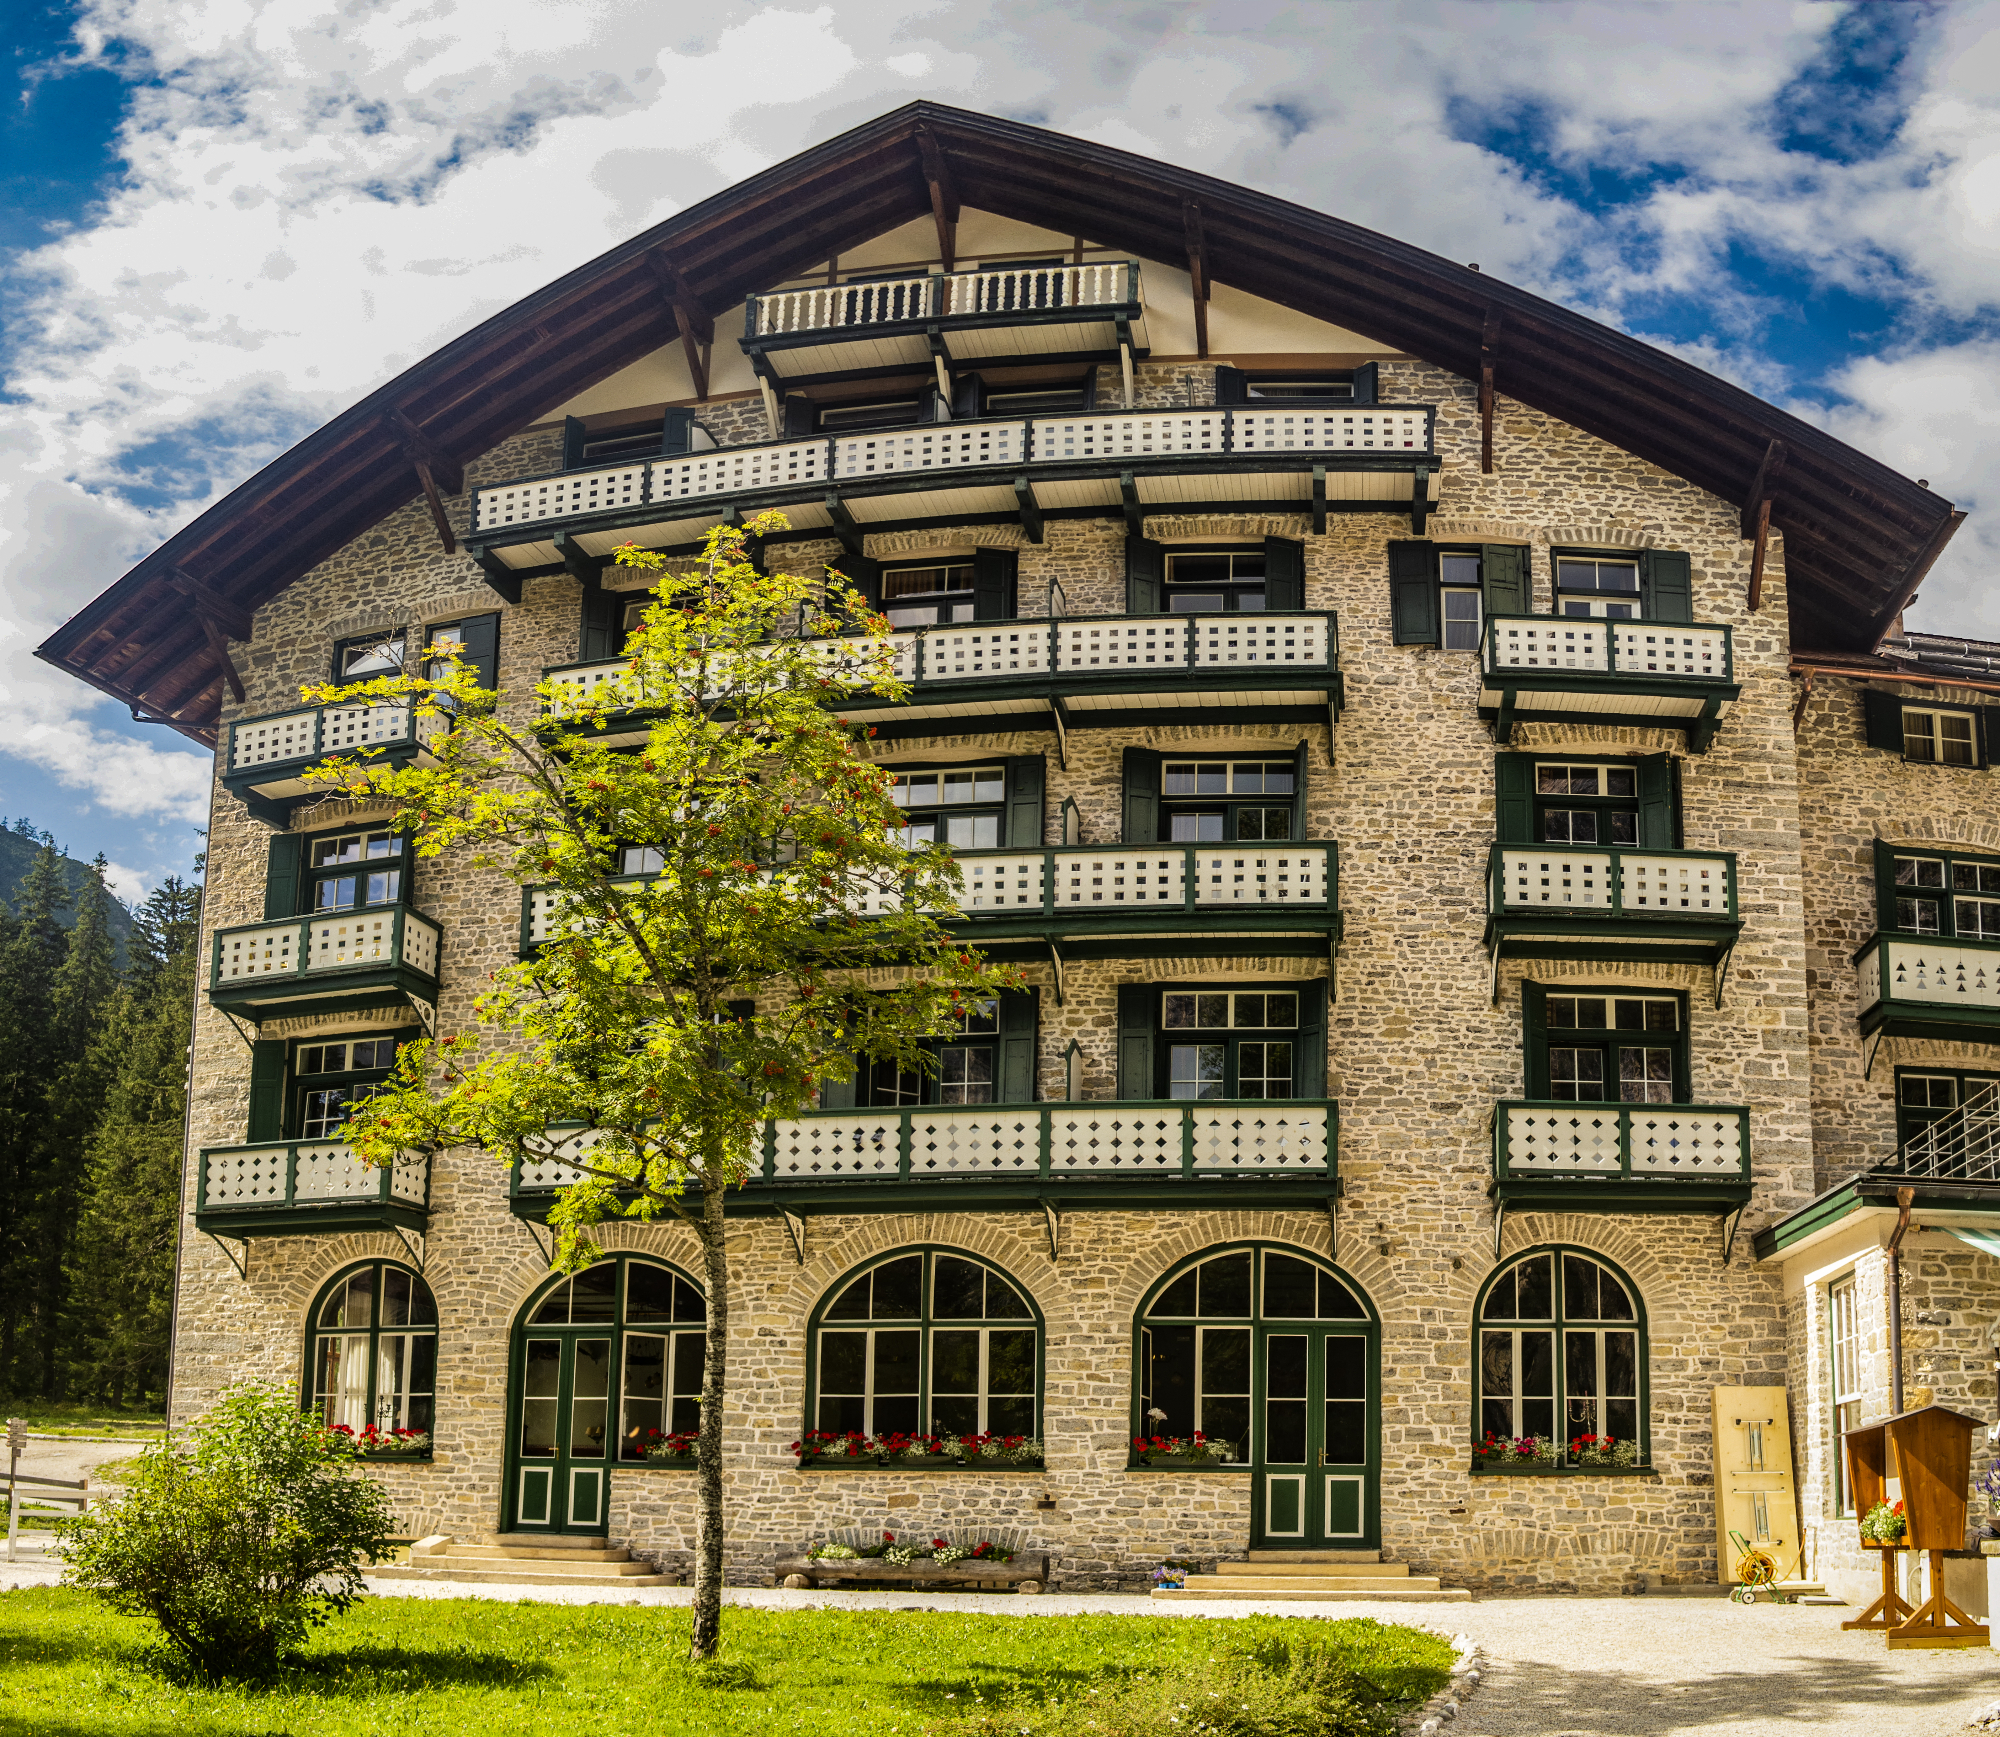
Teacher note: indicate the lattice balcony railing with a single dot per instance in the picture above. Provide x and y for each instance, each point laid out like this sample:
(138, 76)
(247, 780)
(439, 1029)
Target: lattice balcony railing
(1563, 880)
(292, 739)
(277, 1174)
(1573, 645)
(1639, 1142)
(304, 947)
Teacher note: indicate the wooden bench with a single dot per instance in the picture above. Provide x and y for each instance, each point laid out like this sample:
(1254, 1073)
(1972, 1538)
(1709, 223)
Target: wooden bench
(1027, 1572)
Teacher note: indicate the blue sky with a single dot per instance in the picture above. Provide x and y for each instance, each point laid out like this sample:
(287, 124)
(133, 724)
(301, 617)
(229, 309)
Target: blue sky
(223, 220)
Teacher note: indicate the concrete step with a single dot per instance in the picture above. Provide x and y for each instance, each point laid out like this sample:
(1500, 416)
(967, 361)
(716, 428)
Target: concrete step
(1402, 1594)
(1373, 1570)
(524, 1552)
(485, 1573)
(1329, 1583)
(1342, 1556)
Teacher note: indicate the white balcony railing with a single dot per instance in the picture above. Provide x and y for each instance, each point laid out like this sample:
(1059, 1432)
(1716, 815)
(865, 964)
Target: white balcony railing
(284, 1173)
(996, 294)
(314, 732)
(1923, 970)
(307, 946)
(1582, 645)
(1652, 1141)
(1561, 879)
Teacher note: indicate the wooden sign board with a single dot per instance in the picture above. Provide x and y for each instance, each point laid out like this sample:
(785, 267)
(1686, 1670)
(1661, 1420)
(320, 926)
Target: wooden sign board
(1754, 1494)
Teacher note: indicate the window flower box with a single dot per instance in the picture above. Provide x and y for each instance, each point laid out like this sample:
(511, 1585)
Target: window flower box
(678, 1449)
(1539, 1457)
(853, 1451)
(387, 1444)
(1195, 1453)
(914, 1560)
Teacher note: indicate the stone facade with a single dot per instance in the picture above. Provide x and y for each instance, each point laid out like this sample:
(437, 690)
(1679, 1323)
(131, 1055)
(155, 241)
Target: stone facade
(1420, 1046)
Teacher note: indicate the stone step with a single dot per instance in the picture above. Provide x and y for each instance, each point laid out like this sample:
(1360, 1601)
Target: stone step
(1341, 1556)
(1402, 1594)
(523, 1552)
(1260, 1565)
(586, 1569)
(1316, 1583)
(540, 1540)
(486, 1573)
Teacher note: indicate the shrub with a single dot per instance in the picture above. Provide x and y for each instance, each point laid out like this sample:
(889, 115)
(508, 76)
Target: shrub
(239, 1538)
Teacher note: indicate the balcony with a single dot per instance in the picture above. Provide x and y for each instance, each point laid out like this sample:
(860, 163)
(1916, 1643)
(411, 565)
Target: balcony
(1598, 1157)
(1081, 672)
(1250, 1152)
(1117, 901)
(347, 961)
(1370, 458)
(1561, 901)
(1010, 316)
(307, 1188)
(268, 756)
(1573, 669)
(1919, 986)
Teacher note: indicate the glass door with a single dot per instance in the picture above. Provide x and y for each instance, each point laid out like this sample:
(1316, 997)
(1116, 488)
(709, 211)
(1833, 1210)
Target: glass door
(1316, 1465)
(560, 1477)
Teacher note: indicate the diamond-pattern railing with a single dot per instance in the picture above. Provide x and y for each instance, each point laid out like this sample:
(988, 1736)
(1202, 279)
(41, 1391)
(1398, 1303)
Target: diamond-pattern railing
(1643, 1142)
(276, 1174)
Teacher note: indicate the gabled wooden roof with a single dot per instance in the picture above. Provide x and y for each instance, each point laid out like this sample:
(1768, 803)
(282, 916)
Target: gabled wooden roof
(1858, 537)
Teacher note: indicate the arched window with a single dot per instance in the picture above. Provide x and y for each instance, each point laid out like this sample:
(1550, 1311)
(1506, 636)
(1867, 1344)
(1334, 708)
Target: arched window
(926, 1342)
(371, 1351)
(1562, 1350)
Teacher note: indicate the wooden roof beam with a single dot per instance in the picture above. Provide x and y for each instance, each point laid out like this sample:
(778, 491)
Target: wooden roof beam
(944, 196)
(1489, 355)
(1197, 264)
(228, 615)
(696, 328)
(438, 474)
(1757, 515)
(1913, 576)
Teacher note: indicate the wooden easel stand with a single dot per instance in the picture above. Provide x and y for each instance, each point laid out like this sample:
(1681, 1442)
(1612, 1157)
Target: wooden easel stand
(1891, 1608)
(1939, 1623)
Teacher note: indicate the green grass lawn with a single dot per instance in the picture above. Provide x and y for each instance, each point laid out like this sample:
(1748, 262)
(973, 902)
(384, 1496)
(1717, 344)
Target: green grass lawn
(435, 1668)
(78, 1418)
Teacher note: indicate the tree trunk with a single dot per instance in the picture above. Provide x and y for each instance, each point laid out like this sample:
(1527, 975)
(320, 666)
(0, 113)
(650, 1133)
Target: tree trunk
(708, 1463)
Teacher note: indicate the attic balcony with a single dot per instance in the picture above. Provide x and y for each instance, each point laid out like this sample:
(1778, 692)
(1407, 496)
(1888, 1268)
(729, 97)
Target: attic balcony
(337, 962)
(1919, 986)
(1012, 316)
(1574, 669)
(269, 756)
(1566, 1156)
(1081, 672)
(307, 1188)
(1024, 471)
(1061, 1156)
(1556, 901)
(1117, 901)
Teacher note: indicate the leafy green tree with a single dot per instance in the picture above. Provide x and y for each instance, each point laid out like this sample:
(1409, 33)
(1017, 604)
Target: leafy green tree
(238, 1539)
(773, 873)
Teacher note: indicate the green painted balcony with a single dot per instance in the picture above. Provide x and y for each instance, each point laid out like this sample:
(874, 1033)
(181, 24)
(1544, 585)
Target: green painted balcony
(1919, 986)
(268, 756)
(307, 1188)
(1246, 1152)
(1117, 901)
(261, 971)
(1576, 901)
(1567, 1156)
(1581, 669)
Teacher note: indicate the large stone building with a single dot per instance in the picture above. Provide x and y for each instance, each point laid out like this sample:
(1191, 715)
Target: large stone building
(1437, 760)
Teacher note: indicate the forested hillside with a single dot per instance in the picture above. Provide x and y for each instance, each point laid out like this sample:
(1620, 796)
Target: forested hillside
(20, 843)
(91, 1108)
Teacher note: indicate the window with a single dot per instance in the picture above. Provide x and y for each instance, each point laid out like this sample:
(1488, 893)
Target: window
(1220, 1044)
(1599, 1048)
(1561, 1351)
(1043, 401)
(1459, 588)
(1228, 800)
(1586, 804)
(1942, 738)
(927, 596)
(1196, 1341)
(1212, 579)
(608, 445)
(356, 660)
(329, 1078)
(475, 642)
(1445, 597)
(1843, 1326)
(371, 1350)
(927, 1342)
(350, 870)
(1925, 1097)
(1317, 389)
(1928, 735)
(1944, 895)
(966, 1071)
(964, 807)
(880, 413)
(1593, 585)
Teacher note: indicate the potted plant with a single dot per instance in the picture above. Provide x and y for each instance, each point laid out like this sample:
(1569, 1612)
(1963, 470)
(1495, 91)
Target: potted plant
(1194, 1450)
(1884, 1525)
(1603, 1450)
(377, 1444)
(1517, 1452)
(675, 1448)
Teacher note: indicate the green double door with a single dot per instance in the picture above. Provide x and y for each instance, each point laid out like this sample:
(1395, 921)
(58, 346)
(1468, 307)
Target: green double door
(1316, 1472)
(562, 1463)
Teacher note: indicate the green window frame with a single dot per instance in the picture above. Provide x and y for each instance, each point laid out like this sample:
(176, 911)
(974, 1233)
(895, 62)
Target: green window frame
(353, 869)
(1560, 1351)
(925, 1340)
(1926, 1095)
(1638, 1037)
(1180, 1042)
(1945, 893)
(1194, 1359)
(328, 1075)
(474, 640)
(1160, 789)
(371, 1352)
(993, 804)
(370, 656)
(1598, 584)
(1442, 594)
(1582, 801)
(990, 1059)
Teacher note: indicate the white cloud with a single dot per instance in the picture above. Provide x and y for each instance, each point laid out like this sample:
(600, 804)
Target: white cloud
(129, 884)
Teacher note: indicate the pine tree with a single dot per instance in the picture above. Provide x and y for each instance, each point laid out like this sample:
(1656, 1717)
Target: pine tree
(30, 957)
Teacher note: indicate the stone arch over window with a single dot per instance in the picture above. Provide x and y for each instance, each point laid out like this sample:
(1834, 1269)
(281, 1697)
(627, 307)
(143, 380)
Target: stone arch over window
(925, 1341)
(1560, 1351)
(371, 1354)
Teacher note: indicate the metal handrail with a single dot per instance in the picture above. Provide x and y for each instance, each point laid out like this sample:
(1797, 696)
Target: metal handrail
(1615, 896)
(1963, 1146)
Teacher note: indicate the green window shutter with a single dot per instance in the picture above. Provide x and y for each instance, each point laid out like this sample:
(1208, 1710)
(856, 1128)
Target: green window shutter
(1656, 801)
(1018, 1009)
(1309, 1059)
(1135, 1041)
(1142, 796)
(481, 647)
(1026, 778)
(1666, 582)
(572, 442)
(281, 876)
(1535, 1039)
(1514, 798)
(598, 637)
(677, 432)
(994, 580)
(1503, 579)
(1145, 576)
(267, 1090)
(1882, 712)
(798, 418)
(1230, 386)
(1284, 573)
(863, 575)
(1989, 736)
(1299, 792)
(1885, 885)
(1365, 385)
(1413, 593)
(968, 396)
